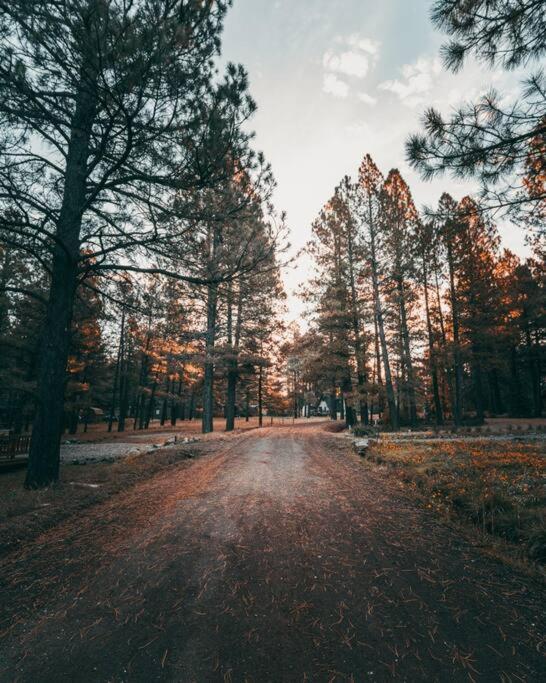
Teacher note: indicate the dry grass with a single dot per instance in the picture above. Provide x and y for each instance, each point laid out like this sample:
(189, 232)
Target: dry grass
(499, 486)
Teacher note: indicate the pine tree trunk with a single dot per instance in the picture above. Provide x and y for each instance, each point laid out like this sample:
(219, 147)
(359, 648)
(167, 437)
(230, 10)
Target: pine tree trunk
(447, 373)
(359, 350)
(478, 388)
(538, 386)
(432, 353)
(457, 362)
(231, 397)
(260, 396)
(497, 404)
(191, 408)
(137, 410)
(151, 405)
(208, 379)
(174, 403)
(164, 407)
(233, 369)
(123, 399)
(123, 387)
(333, 405)
(534, 375)
(516, 400)
(404, 329)
(393, 411)
(44, 454)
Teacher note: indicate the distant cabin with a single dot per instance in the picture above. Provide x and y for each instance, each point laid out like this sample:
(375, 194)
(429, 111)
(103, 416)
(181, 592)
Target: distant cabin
(323, 408)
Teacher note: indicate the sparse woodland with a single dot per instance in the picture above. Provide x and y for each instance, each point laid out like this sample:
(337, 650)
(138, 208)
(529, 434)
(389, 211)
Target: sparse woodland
(141, 255)
(134, 221)
(423, 315)
(420, 318)
(400, 535)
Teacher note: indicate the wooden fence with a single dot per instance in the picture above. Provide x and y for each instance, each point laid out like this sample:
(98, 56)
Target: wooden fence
(13, 444)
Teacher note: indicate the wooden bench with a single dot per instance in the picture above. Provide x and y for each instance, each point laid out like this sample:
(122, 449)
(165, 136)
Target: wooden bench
(12, 445)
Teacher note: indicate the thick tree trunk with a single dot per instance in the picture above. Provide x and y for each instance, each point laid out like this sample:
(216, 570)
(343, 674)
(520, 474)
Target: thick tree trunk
(43, 465)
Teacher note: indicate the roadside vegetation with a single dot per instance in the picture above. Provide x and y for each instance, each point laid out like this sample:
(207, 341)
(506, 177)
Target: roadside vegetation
(496, 485)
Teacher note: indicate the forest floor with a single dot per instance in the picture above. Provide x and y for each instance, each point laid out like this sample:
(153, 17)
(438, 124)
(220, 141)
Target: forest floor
(98, 433)
(276, 555)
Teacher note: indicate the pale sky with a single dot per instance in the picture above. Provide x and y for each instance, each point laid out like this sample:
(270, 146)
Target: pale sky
(336, 79)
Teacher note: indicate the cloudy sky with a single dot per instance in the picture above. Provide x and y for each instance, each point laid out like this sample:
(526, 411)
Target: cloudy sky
(336, 79)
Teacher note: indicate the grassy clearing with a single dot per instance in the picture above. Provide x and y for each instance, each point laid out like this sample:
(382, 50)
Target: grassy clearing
(499, 486)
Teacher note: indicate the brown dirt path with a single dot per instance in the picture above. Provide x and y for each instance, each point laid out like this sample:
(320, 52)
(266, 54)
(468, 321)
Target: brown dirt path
(279, 558)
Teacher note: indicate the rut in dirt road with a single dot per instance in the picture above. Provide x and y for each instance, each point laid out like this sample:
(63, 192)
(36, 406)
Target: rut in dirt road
(279, 558)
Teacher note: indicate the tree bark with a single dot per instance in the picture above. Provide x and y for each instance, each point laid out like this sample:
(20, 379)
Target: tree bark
(432, 352)
(233, 369)
(260, 396)
(359, 347)
(457, 363)
(43, 465)
(534, 374)
(407, 352)
(391, 401)
(208, 380)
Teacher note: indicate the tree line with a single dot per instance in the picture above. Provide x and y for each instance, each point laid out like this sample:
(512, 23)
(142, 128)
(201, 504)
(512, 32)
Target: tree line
(416, 318)
(423, 315)
(135, 216)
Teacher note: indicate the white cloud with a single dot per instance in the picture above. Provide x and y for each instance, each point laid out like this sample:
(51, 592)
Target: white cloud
(333, 85)
(418, 79)
(367, 99)
(350, 63)
(353, 61)
(365, 44)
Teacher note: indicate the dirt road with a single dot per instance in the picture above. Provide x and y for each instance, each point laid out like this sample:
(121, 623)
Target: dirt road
(279, 558)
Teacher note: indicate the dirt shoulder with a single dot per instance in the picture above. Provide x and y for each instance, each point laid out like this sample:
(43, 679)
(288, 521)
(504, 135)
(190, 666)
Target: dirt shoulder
(24, 515)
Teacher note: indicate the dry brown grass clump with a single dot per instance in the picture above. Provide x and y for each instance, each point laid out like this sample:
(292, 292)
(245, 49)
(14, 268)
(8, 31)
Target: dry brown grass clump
(499, 486)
